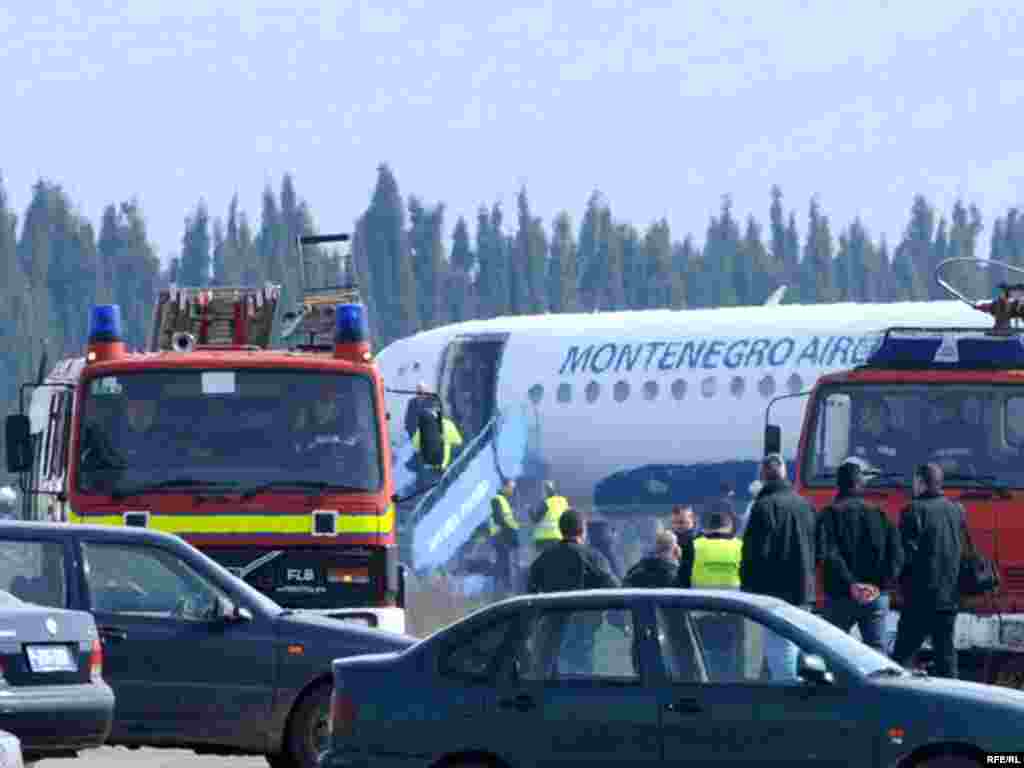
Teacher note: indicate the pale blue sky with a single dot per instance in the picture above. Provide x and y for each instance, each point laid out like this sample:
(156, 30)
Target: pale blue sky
(662, 106)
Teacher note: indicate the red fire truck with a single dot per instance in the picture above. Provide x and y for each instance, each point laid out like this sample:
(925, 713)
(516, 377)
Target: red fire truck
(953, 396)
(274, 462)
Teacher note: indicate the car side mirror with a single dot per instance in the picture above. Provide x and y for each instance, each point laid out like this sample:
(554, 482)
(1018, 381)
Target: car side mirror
(772, 439)
(18, 438)
(811, 668)
(431, 438)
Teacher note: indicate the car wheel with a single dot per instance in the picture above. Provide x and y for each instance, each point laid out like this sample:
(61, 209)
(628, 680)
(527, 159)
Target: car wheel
(947, 761)
(307, 734)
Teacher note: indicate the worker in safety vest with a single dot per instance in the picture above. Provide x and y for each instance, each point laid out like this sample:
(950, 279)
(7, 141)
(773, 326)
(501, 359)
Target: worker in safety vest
(504, 530)
(716, 565)
(451, 438)
(545, 517)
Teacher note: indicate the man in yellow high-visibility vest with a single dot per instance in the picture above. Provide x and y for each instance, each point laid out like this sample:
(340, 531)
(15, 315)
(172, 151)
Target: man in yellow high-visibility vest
(717, 554)
(545, 517)
(504, 530)
(450, 436)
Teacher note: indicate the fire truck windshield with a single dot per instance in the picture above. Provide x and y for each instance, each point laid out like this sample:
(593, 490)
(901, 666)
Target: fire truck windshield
(975, 432)
(228, 428)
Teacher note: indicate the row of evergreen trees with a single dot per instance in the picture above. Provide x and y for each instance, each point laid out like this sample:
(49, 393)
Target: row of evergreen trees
(54, 265)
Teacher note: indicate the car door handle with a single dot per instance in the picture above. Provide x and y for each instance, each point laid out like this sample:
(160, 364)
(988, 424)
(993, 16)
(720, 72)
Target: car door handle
(113, 634)
(521, 703)
(684, 706)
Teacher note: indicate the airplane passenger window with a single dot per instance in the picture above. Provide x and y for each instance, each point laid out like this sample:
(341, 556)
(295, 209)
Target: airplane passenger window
(737, 386)
(708, 386)
(536, 393)
(766, 386)
(679, 389)
(592, 391)
(621, 391)
(650, 390)
(415, 366)
(564, 393)
(795, 383)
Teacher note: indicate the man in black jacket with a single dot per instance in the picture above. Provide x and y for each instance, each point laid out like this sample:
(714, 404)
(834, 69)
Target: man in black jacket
(567, 566)
(933, 530)
(779, 555)
(571, 564)
(659, 569)
(863, 557)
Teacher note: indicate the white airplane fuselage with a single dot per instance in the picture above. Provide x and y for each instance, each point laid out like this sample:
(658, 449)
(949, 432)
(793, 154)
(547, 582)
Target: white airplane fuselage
(615, 391)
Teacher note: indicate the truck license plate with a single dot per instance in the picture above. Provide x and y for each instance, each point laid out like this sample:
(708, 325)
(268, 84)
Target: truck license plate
(50, 658)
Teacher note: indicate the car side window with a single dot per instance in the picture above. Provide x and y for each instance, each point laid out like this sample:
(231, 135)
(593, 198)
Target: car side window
(580, 644)
(474, 658)
(33, 571)
(735, 648)
(146, 581)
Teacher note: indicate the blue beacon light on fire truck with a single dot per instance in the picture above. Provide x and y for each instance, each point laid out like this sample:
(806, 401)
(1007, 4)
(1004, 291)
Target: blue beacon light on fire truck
(105, 323)
(350, 324)
(351, 333)
(948, 349)
(106, 340)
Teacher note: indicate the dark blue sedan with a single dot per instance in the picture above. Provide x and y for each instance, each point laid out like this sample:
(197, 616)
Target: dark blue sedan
(646, 677)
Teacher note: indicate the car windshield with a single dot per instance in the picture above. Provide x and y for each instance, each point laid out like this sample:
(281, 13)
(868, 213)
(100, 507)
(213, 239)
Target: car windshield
(863, 658)
(975, 433)
(237, 428)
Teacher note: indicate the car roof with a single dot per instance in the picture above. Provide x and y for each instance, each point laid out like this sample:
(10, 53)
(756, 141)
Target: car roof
(111, 532)
(736, 597)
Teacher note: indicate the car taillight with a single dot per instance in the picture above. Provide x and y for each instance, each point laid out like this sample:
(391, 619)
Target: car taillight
(342, 715)
(96, 662)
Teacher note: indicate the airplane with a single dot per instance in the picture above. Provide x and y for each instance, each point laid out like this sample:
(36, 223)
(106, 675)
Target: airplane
(612, 392)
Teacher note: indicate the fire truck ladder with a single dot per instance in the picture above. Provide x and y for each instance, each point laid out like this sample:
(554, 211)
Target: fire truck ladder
(314, 315)
(220, 316)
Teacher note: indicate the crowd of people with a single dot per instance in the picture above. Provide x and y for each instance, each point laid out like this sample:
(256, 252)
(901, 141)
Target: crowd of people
(863, 556)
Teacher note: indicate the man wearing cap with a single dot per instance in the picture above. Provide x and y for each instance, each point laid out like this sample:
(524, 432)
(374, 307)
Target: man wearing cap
(545, 517)
(862, 557)
(417, 405)
(779, 555)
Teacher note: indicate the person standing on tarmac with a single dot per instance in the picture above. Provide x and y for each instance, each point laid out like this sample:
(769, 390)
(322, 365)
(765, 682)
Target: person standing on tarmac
(571, 564)
(716, 565)
(659, 569)
(504, 531)
(862, 556)
(933, 530)
(780, 555)
(717, 553)
(545, 517)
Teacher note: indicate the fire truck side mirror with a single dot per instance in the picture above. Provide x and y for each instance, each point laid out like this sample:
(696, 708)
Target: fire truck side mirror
(431, 437)
(772, 439)
(18, 437)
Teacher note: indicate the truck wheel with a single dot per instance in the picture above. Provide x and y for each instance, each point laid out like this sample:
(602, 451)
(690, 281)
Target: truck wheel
(307, 734)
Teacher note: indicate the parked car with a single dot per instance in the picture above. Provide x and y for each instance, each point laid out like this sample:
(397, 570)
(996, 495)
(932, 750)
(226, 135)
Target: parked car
(52, 694)
(196, 657)
(11, 755)
(653, 677)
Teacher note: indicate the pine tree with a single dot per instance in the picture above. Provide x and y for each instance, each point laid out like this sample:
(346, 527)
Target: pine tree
(562, 274)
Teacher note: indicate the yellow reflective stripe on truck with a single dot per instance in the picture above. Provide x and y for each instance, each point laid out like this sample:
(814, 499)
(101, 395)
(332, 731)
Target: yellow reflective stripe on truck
(251, 524)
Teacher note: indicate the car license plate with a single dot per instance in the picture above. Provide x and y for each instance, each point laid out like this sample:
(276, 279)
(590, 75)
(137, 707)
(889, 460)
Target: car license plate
(50, 658)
